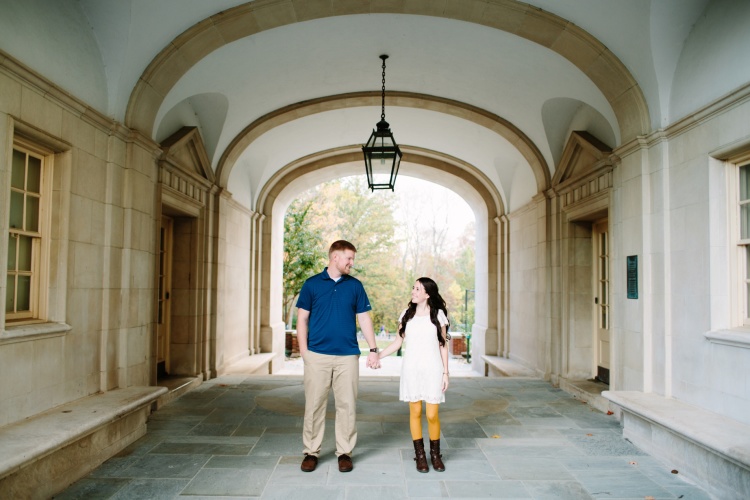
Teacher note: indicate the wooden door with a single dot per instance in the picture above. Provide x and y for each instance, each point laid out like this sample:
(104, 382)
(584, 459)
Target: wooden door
(602, 300)
(165, 288)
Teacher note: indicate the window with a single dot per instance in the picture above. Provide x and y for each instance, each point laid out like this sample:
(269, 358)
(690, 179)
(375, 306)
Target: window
(25, 235)
(744, 238)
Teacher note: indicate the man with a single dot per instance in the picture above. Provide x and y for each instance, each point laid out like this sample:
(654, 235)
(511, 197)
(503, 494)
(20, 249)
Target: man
(327, 309)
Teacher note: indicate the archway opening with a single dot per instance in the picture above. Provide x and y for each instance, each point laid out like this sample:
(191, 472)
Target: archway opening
(421, 229)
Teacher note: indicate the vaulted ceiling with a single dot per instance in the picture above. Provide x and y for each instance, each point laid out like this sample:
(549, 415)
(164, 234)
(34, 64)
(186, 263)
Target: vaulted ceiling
(495, 84)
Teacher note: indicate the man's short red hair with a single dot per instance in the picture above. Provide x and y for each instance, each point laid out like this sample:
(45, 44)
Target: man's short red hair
(340, 245)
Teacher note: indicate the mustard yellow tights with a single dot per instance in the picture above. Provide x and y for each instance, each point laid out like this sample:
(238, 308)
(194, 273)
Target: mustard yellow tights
(415, 420)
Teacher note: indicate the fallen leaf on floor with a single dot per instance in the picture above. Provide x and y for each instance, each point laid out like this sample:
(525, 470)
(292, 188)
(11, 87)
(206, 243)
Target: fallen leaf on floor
(610, 413)
(495, 436)
(674, 471)
(589, 434)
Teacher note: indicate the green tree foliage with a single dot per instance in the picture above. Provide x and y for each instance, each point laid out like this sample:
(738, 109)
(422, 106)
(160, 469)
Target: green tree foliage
(303, 252)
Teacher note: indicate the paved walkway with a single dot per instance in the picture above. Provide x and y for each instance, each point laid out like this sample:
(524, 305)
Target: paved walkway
(240, 436)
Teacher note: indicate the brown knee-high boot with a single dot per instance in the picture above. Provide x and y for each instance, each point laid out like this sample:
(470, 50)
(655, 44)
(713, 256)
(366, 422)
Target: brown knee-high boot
(421, 456)
(437, 462)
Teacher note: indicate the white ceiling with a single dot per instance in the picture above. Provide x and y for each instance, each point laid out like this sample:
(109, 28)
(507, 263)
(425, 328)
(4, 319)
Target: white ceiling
(106, 45)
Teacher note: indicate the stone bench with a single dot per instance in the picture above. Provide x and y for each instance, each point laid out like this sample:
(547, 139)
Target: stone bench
(255, 364)
(506, 367)
(44, 454)
(710, 449)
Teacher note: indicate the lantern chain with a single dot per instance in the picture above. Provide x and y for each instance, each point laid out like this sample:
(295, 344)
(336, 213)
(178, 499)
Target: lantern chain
(382, 113)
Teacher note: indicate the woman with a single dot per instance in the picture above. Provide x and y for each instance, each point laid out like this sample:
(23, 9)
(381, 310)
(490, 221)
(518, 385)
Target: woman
(424, 369)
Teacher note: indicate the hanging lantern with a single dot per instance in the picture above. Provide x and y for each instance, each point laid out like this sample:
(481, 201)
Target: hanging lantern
(382, 154)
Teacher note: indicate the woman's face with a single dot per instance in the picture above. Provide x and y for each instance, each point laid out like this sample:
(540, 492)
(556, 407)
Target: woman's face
(418, 295)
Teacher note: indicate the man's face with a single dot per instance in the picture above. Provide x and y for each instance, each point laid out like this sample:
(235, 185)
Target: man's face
(343, 260)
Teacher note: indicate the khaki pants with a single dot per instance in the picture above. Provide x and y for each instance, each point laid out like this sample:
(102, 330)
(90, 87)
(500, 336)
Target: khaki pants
(323, 372)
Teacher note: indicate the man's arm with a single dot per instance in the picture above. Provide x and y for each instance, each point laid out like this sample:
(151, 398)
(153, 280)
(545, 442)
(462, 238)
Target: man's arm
(303, 321)
(365, 323)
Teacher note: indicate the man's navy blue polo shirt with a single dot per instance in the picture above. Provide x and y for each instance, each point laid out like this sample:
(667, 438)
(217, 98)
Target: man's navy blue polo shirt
(333, 307)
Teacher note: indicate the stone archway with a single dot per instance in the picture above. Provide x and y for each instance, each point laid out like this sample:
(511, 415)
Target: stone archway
(584, 51)
(467, 180)
(492, 122)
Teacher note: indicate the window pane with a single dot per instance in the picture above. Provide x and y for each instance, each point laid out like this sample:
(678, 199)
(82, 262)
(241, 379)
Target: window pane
(16, 210)
(744, 182)
(23, 295)
(24, 253)
(745, 221)
(34, 175)
(11, 292)
(32, 213)
(12, 252)
(19, 169)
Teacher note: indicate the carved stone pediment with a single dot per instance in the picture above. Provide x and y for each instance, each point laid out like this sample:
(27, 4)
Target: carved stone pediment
(583, 155)
(184, 150)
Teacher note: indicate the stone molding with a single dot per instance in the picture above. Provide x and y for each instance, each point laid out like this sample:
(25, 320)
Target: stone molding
(582, 49)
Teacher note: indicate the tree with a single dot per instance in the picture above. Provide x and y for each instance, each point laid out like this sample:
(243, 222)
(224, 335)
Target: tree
(303, 252)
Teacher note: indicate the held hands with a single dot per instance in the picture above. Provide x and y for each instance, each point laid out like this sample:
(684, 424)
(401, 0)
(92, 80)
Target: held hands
(373, 361)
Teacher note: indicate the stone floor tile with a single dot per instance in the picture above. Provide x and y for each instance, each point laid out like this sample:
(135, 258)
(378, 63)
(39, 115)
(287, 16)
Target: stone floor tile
(212, 430)
(368, 492)
(459, 443)
(228, 482)
(377, 455)
(487, 489)
(557, 490)
(313, 491)
(170, 448)
(287, 474)
(242, 462)
(367, 474)
(427, 489)
(530, 468)
(166, 466)
(463, 430)
(93, 488)
(275, 444)
(153, 489)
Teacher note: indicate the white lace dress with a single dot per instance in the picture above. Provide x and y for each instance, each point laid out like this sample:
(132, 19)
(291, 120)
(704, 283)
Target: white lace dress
(422, 366)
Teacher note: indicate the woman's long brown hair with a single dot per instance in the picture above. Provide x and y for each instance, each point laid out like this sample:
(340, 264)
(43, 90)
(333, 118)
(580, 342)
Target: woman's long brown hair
(435, 301)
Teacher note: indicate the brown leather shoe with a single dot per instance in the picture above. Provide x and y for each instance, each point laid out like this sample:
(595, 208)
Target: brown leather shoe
(345, 463)
(309, 463)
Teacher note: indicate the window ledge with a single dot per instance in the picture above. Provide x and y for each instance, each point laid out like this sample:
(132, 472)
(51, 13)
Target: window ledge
(736, 337)
(34, 331)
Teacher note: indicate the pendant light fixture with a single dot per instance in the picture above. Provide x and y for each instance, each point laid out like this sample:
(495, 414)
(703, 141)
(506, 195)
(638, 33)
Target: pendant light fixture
(382, 154)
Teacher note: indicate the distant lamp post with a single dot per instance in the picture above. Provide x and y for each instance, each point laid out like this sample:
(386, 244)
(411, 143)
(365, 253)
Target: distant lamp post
(382, 154)
(467, 333)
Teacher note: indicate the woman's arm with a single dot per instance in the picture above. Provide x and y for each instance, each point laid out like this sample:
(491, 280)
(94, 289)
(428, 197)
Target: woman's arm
(392, 347)
(444, 355)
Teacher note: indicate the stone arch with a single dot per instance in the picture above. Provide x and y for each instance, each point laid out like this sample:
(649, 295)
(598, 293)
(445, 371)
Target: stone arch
(450, 172)
(404, 99)
(583, 50)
